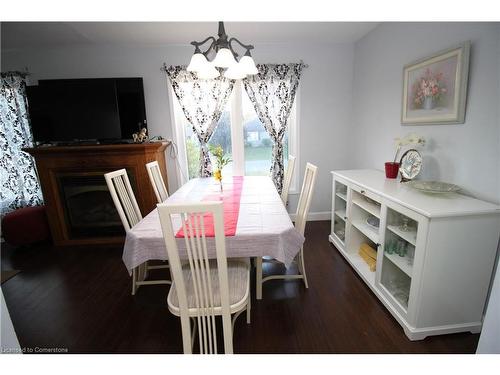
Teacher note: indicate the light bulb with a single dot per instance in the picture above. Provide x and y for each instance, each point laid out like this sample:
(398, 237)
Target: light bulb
(198, 63)
(224, 58)
(248, 65)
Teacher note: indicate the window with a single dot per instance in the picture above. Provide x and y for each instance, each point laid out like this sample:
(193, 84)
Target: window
(241, 134)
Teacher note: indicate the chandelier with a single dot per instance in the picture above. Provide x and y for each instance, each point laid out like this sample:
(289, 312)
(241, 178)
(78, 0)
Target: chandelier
(225, 57)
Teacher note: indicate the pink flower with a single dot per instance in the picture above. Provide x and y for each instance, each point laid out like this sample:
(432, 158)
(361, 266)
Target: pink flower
(428, 85)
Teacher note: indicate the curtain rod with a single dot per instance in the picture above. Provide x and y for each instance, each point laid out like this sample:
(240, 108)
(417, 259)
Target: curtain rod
(164, 66)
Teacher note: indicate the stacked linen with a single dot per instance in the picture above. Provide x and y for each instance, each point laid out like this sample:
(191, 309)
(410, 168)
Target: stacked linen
(369, 255)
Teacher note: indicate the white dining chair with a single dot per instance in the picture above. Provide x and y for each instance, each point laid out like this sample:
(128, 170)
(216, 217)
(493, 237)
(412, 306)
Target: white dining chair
(287, 179)
(157, 182)
(300, 224)
(130, 214)
(203, 288)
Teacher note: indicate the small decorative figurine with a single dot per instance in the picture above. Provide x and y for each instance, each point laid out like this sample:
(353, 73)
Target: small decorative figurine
(140, 137)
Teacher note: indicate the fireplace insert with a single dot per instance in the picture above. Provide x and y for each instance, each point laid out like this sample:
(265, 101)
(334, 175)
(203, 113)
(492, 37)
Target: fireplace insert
(88, 206)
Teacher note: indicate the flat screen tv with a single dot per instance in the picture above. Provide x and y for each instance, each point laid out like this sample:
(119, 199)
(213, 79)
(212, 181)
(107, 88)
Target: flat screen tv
(105, 110)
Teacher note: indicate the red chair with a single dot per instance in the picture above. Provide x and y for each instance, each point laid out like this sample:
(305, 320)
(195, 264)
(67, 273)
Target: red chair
(26, 226)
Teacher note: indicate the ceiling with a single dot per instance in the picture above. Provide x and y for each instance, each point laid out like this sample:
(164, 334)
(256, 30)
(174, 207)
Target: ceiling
(56, 34)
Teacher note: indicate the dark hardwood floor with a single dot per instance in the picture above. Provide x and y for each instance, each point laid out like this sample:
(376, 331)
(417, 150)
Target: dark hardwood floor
(79, 298)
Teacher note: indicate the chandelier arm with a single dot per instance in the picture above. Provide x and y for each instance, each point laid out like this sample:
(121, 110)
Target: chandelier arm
(210, 48)
(248, 47)
(199, 44)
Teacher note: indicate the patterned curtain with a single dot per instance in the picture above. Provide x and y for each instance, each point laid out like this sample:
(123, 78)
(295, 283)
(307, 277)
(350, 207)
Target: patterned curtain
(19, 185)
(272, 92)
(202, 102)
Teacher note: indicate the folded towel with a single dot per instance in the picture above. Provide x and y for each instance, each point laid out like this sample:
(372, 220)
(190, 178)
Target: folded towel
(372, 263)
(368, 250)
(361, 251)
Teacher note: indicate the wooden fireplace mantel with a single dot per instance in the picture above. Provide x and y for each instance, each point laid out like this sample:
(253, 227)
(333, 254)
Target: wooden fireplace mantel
(54, 162)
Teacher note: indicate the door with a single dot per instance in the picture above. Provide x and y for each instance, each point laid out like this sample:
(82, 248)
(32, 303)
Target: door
(404, 235)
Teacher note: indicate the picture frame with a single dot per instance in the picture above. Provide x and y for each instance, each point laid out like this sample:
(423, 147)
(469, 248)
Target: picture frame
(435, 88)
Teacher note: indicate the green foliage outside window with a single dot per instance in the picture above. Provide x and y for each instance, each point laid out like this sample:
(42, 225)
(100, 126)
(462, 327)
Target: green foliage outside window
(193, 157)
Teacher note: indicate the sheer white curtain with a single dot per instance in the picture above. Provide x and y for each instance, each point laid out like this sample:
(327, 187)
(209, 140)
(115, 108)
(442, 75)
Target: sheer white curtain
(19, 186)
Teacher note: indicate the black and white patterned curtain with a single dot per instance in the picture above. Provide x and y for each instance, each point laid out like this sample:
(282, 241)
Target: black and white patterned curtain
(202, 102)
(19, 185)
(272, 92)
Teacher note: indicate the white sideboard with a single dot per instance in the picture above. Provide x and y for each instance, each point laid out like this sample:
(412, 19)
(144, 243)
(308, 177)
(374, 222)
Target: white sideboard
(453, 238)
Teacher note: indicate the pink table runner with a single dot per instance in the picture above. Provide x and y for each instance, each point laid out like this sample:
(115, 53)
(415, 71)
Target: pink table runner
(230, 196)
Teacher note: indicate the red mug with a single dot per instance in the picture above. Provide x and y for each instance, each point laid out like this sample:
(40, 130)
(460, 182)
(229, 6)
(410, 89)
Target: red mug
(391, 169)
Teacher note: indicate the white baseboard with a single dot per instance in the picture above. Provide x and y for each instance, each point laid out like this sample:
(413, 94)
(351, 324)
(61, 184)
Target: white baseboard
(316, 216)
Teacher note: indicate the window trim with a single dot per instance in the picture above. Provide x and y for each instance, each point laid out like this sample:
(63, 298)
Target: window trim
(179, 138)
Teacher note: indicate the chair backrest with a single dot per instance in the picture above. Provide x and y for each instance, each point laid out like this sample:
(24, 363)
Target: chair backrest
(193, 226)
(156, 179)
(288, 179)
(123, 198)
(305, 197)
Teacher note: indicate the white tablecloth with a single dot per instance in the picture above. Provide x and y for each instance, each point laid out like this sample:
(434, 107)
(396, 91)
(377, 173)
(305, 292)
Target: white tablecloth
(264, 226)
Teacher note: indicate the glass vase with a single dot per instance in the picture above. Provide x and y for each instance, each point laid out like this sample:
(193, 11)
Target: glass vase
(218, 177)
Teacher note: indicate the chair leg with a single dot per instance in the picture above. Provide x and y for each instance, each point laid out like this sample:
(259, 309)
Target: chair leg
(134, 279)
(186, 335)
(141, 271)
(258, 277)
(146, 270)
(249, 307)
(303, 267)
(193, 333)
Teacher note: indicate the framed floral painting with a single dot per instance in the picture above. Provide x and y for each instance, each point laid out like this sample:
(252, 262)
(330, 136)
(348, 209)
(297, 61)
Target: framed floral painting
(435, 88)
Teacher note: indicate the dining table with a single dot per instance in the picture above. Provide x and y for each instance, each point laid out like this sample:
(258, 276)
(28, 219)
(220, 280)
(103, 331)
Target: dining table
(256, 222)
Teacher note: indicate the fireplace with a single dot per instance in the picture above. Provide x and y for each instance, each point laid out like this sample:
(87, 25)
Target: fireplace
(88, 207)
(78, 204)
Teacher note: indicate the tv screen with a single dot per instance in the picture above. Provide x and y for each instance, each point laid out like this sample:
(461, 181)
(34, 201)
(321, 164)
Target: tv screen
(103, 109)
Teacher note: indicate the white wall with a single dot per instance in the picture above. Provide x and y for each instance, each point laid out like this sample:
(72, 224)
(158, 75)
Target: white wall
(325, 92)
(466, 154)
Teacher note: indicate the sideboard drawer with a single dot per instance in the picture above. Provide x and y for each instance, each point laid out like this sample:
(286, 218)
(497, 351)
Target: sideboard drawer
(367, 193)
